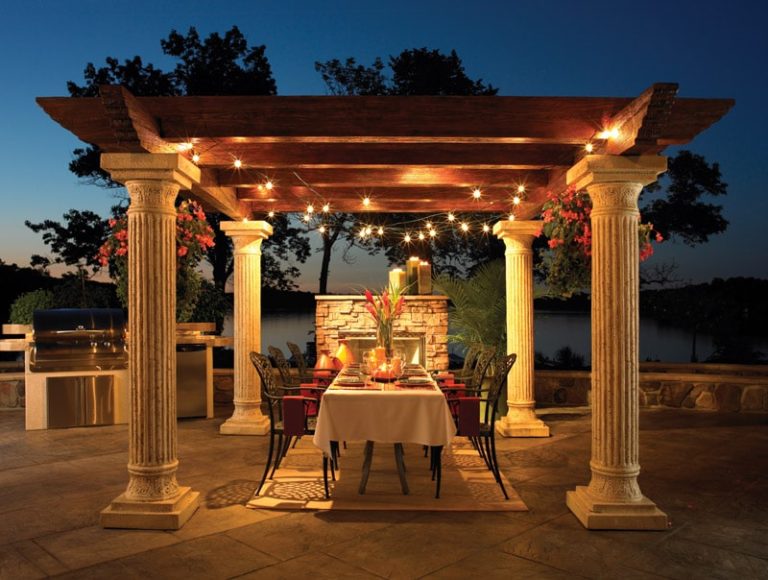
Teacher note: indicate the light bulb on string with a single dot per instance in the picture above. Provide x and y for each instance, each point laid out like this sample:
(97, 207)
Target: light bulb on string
(476, 193)
(310, 209)
(407, 238)
(511, 217)
(321, 229)
(368, 230)
(520, 189)
(464, 227)
(486, 228)
(589, 147)
(432, 233)
(381, 231)
(182, 147)
(269, 185)
(326, 207)
(366, 201)
(270, 214)
(428, 225)
(421, 236)
(237, 163)
(362, 233)
(307, 217)
(195, 157)
(516, 200)
(451, 217)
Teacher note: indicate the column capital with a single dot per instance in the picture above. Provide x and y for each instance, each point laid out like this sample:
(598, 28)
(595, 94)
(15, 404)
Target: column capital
(518, 230)
(171, 167)
(604, 169)
(247, 229)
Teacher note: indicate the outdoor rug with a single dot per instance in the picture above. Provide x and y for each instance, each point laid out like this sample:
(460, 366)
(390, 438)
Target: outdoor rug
(467, 484)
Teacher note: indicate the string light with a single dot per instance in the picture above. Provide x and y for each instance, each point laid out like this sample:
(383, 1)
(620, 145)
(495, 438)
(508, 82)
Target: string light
(310, 209)
(516, 200)
(321, 229)
(326, 207)
(589, 147)
(307, 217)
(182, 147)
(609, 133)
(520, 189)
(476, 193)
(407, 238)
(464, 227)
(511, 217)
(432, 233)
(238, 164)
(451, 217)
(271, 214)
(269, 185)
(196, 157)
(381, 231)
(421, 236)
(362, 233)
(428, 225)
(486, 228)
(366, 201)
(368, 230)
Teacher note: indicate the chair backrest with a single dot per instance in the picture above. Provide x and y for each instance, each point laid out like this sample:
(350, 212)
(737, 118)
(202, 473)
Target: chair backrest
(282, 365)
(270, 392)
(470, 359)
(298, 356)
(484, 361)
(503, 366)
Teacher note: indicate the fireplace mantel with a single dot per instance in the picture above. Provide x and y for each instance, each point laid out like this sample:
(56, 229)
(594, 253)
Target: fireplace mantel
(339, 316)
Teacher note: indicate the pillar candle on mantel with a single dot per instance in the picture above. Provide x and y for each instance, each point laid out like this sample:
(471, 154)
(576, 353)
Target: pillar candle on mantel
(397, 279)
(412, 274)
(425, 278)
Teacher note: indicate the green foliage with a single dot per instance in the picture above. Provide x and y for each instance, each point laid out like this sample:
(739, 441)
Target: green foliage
(681, 213)
(26, 304)
(75, 242)
(212, 306)
(478, 306)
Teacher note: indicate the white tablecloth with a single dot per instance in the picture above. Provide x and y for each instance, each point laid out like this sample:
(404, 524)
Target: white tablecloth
(386, 416)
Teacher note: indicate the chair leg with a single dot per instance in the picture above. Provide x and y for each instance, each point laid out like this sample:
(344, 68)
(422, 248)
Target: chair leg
(269, 460)
(496, 465)
(279, 455)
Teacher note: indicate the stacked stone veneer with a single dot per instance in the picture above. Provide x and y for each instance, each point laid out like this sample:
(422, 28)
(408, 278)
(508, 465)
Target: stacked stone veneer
(337, 316)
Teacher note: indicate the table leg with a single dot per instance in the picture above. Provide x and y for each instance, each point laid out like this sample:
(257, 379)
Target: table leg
(437, 452)
(400, 462)
(366, 466)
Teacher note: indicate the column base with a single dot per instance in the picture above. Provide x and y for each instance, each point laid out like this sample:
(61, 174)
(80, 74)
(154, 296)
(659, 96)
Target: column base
(528, 428)
(231, 426)
(601, 515)
(170, 514)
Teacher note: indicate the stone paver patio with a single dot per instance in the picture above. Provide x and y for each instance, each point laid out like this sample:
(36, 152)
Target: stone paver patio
(706, 471)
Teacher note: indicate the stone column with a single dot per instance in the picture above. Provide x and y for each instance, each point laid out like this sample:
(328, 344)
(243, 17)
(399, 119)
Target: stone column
(520, 420)
(613, 500)
(247, 418)
(153, 498)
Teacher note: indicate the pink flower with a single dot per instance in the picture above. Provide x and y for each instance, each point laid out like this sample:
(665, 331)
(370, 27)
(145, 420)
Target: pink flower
(659, 237)
(182, 251)
(369, 296)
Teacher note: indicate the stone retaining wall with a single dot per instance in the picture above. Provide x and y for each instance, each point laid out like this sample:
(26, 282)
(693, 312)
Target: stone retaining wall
(723, 388)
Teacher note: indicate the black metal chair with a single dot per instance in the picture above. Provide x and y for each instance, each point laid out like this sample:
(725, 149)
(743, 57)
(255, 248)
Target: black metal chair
(288, 418)
(483, 433)
(306, 374)
(465, 373)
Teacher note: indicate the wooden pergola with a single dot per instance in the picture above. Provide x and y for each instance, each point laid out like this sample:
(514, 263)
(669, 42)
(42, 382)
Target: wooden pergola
(407, 154)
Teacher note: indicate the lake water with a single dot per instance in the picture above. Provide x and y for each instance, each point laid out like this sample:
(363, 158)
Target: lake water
(553, 330)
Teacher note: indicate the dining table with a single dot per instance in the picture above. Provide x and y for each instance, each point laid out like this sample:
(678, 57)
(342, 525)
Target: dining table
(411, 409)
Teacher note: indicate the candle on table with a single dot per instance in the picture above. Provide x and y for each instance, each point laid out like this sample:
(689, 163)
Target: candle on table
(397, 279)
(425, 278)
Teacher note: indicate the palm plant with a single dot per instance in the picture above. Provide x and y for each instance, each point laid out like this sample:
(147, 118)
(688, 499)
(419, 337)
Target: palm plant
(478, 306)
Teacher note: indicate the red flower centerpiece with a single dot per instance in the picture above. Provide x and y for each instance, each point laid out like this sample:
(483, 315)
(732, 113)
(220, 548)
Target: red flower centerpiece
(384, 310)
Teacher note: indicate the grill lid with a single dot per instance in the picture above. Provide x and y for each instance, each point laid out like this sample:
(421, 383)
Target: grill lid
(79, 319)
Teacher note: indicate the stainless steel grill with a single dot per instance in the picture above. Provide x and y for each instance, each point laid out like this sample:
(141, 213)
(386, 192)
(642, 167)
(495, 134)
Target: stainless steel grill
(78, 340)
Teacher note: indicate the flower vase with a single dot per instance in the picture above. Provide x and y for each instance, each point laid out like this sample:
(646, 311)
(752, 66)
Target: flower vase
(384, 340)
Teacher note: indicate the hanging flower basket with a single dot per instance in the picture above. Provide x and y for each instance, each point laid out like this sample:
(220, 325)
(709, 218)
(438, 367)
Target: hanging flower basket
(193, 238)
(567, 261)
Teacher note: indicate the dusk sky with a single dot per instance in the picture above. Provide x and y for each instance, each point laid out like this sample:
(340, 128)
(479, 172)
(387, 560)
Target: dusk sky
(712, 49)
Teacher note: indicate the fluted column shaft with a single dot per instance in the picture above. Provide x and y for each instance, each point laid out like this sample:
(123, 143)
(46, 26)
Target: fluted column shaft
(613, 499)
(153, 498)
(247, 418)
(151, 319)
(520, 420)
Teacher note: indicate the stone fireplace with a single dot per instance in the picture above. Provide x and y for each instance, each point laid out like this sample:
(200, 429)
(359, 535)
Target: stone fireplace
(421, 331)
